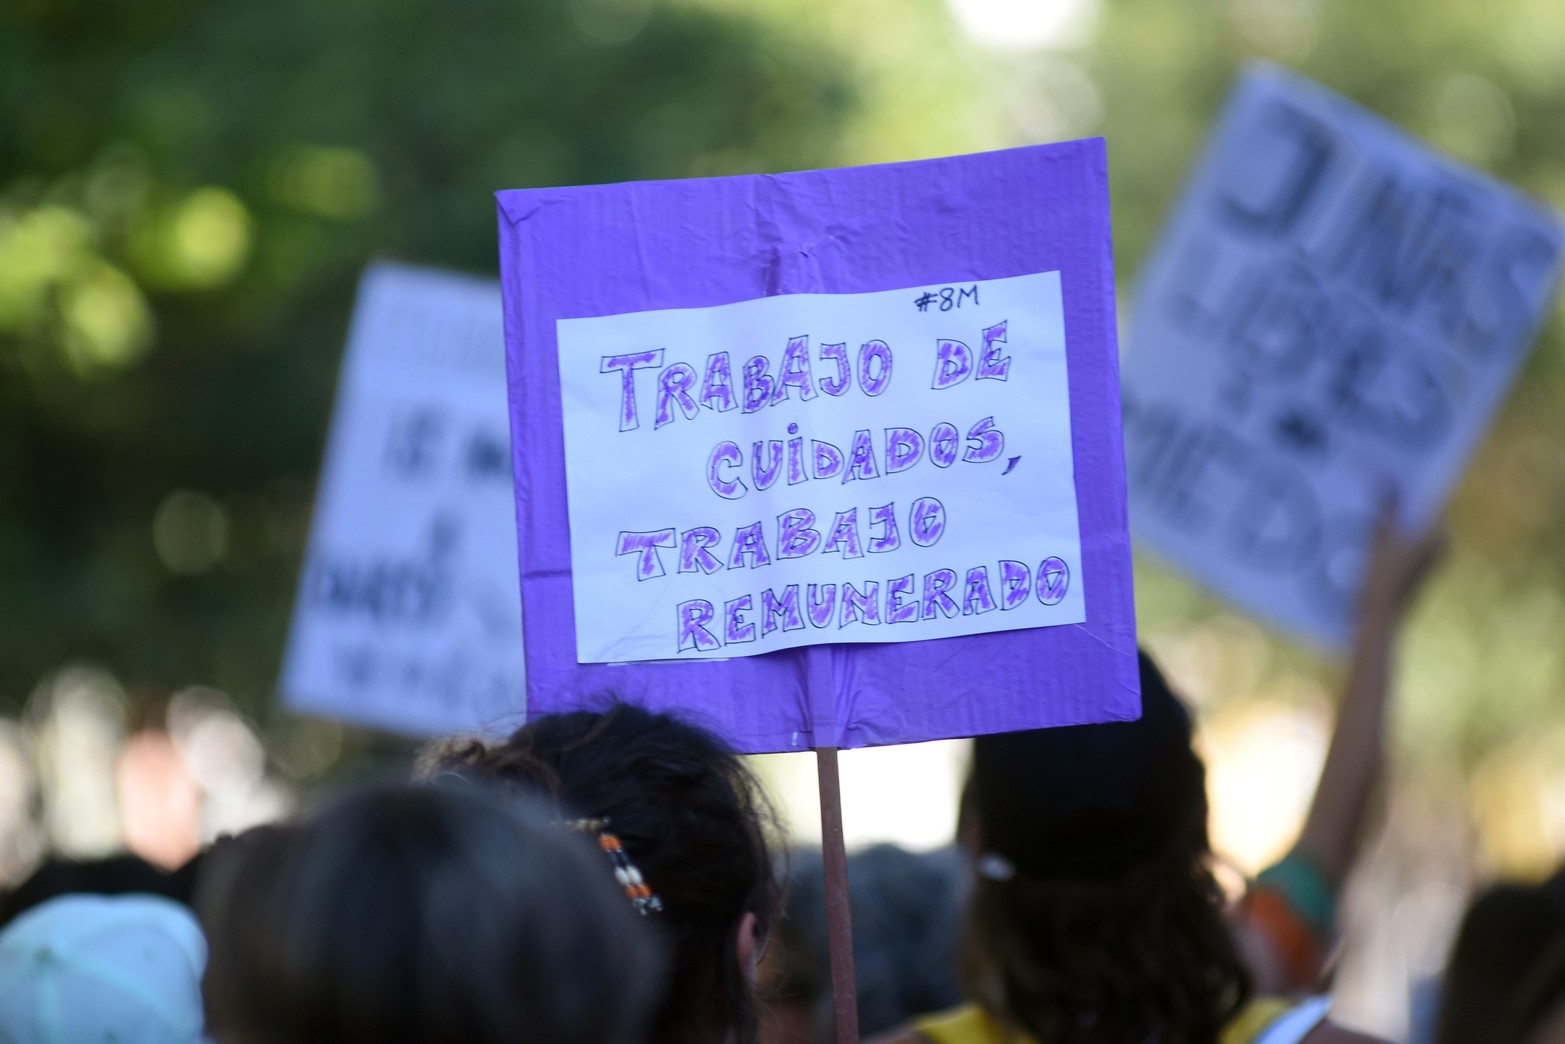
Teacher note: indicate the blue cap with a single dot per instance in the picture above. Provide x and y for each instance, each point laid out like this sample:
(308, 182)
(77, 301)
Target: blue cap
(81, 969)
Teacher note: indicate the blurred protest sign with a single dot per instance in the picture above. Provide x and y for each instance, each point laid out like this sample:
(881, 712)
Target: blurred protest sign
(1334, 311)
(861, 421)
(408, 616)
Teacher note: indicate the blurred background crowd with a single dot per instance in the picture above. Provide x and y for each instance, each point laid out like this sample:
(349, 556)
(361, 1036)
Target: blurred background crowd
(188, 193)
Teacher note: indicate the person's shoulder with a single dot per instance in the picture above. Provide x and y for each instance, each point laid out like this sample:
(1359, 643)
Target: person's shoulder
(964, 1024)
(1331, 1033)
(901, 1035)
(1272, 1020)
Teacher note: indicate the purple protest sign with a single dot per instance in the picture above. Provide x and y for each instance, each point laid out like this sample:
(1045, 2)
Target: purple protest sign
(959, 313)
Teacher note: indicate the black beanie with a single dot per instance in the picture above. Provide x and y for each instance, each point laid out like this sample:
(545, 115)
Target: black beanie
(1089, 801)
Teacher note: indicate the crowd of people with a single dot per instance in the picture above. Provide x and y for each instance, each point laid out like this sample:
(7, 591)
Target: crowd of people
(615, 875)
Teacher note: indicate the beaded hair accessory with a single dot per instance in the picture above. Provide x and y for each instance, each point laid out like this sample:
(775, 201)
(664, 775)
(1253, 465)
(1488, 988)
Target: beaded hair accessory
(625, 871)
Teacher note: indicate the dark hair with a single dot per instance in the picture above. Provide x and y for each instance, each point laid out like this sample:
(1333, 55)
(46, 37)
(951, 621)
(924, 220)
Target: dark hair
(1535, 1011)
(1144, 955)
(691, 817)
(1096, 918)
(906, 918)
(420, 914)
(1504, 934)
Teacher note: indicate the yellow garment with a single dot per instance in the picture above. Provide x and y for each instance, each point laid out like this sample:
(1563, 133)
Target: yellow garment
(970, 1025)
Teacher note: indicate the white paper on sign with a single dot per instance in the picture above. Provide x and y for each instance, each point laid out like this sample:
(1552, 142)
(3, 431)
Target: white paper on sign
(813, 468)
(408, 615)
(1333, 312)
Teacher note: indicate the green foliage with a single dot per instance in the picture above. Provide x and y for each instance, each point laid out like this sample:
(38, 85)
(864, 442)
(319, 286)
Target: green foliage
(187, 194)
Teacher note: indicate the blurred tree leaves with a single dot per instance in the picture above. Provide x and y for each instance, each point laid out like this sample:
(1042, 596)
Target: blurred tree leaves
(188, 191)
(187, 194)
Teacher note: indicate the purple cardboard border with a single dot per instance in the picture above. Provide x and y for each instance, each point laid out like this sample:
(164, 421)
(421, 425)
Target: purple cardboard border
(606, 249)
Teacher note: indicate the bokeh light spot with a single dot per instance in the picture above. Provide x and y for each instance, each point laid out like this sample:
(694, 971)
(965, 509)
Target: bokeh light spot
(1283, 29)
(340, 184)
(189, 532)
(611, 21)
(107, 321)
(209, 237)
(39, 248)
(1473, 118)
(1023, 25)
(78, 717)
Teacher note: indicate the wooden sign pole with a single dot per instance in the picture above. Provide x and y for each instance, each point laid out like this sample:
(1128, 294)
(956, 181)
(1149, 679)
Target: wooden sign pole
(839, 919)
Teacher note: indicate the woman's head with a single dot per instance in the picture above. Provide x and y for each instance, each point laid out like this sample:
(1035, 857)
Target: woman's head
(420, 915)
(691, 818)
(1095, 916)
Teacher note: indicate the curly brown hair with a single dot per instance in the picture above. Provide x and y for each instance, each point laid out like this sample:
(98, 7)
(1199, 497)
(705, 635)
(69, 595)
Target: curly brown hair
(691, 816)
(1140, 956)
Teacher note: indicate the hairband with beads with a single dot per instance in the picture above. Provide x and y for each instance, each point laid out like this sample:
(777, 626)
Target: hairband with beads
(625, 871)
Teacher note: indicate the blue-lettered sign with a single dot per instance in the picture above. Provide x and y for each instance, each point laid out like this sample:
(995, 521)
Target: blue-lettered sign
(1334, 310)
(408, 615)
